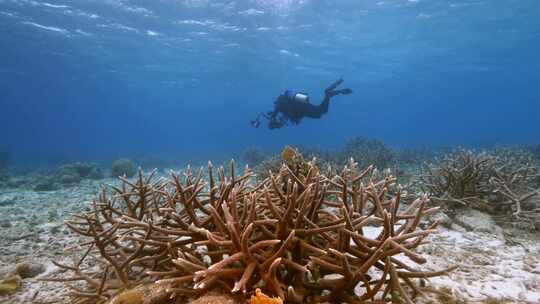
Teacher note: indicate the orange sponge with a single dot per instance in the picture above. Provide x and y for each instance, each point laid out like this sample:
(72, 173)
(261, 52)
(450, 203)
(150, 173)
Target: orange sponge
(261, 298)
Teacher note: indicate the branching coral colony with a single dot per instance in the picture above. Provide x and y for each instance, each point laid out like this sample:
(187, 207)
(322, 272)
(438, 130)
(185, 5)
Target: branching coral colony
(500, 182)
(297, 235)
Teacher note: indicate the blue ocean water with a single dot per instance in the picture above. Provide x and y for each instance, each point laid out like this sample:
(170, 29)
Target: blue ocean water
(98, 79)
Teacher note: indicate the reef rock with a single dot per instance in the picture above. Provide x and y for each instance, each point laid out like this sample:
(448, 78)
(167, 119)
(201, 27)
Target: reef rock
(5, 223)
(443, 219)
(123, 166)
(29, 270)
(477, 221)
(68, 175)
(16, 182)
(45, 184)
(74, 173)
(7, 201)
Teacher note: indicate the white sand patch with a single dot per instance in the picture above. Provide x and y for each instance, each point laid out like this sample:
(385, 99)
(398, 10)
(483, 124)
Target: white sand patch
(488, 267)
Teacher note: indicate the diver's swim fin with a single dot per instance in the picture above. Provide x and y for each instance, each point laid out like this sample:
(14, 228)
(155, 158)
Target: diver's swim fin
(338, 92)
(334, 85)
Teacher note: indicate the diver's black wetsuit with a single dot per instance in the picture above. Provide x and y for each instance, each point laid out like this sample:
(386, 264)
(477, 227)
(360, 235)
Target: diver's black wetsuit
(286, 109)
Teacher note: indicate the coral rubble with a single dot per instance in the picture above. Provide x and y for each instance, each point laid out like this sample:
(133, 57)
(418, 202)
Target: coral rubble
(298, 235)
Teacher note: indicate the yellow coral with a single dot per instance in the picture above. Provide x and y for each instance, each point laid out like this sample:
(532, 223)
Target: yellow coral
(294, 159)
(10, 285)
(288, 154)
(261, 298)
(132, 296)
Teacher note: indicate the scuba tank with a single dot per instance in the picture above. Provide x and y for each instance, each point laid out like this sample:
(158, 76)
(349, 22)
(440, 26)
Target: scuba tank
(297, 96)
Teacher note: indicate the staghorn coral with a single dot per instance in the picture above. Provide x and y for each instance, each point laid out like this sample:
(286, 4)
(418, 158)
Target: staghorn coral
(296, 160)
(289, 156)
(499, 182)
(461, 178)
(298, 235)
(364, 150)
(327, 160)
(270, 164)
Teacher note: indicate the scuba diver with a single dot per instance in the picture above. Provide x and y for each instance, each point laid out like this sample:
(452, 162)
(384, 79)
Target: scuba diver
(292, 106)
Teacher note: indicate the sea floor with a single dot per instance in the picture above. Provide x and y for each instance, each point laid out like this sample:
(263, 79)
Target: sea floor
(494, 264)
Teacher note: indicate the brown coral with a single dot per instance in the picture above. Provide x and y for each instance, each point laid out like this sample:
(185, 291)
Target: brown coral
(298, 235)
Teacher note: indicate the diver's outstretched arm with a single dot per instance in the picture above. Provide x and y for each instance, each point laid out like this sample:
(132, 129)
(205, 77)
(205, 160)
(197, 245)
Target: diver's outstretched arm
(268, 115)
(277, 122)
(274, 120)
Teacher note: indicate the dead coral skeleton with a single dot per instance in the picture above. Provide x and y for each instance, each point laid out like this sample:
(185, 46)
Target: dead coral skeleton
(500, 182)
(298, 235)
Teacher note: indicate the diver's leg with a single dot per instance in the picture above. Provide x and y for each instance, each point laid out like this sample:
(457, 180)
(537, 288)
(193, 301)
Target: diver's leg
(313, 111)
(323, 107)
(341, 92)
(317, 111)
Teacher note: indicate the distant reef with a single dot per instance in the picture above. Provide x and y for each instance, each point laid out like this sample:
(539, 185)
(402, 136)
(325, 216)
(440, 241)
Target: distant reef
(68, 175)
